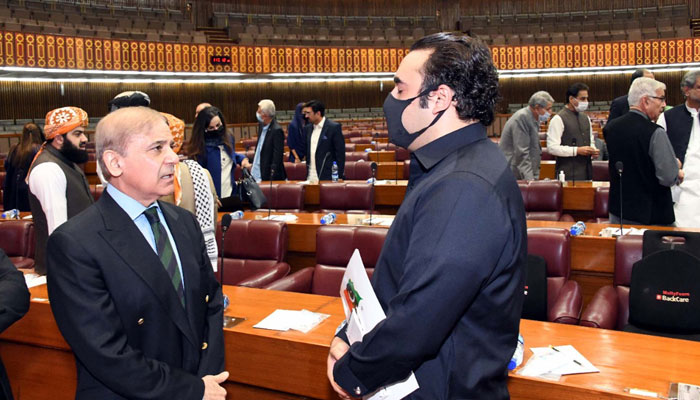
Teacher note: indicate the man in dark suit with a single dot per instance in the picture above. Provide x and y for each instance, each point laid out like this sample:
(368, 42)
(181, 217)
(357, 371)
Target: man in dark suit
(269, 151)
(14, 303)
(131, 287)
(620, 105)
(324, 143)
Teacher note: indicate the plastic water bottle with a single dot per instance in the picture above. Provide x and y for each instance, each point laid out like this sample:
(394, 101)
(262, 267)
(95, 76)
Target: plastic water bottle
(328, 219)
(237, 214)
(11, 214)
(578, 228)
(334, 172)
(517, 358)
(562, 177)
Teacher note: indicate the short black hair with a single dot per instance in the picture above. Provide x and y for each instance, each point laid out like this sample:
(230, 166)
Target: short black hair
(316, 106)
(574, 89)
(638, 73)
(465, 65)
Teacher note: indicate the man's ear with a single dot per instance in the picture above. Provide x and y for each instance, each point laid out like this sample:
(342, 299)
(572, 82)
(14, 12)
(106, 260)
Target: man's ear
(445, 96)
(113, 163)
(58, 140)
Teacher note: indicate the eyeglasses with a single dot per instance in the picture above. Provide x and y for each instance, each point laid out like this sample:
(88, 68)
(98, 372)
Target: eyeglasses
(663, 98)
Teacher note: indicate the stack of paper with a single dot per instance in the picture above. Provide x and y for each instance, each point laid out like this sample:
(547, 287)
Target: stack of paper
(282, 218)
(552, 362)
(284, 320)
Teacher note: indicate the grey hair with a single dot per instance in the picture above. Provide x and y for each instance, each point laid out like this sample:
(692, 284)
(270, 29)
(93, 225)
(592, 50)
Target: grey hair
(115, 131)
(541, 99)
(690, 78)
(267, 107)
(643, 87)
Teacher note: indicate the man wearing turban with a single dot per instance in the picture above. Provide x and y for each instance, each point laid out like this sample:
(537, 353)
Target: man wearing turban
(58, 187)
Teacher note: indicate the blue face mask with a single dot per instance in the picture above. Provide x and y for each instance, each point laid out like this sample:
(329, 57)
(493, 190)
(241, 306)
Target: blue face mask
(259, 117)
(393, 110)
(545, 117)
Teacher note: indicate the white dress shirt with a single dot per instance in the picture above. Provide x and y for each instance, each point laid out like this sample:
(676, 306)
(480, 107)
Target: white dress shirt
(226, 171)
(48, 183)
(315, 136)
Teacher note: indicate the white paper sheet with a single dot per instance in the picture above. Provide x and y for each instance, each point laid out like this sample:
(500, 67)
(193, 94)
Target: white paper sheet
(34, 280)
(282, 218)
(379, 221)
(363, 312)
(571, 361)
(284, 320)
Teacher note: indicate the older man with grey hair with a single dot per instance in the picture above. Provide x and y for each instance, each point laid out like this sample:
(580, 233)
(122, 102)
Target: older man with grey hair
(683, 127)
(520, 140)
(641, 149)
(268, 163)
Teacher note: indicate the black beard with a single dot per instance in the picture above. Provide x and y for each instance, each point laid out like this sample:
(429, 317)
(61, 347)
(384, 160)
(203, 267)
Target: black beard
(73, 153)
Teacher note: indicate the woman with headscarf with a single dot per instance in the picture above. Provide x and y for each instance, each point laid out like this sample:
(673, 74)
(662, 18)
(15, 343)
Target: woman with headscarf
(212, 145)
(296, 139)
(15, 189)
(194, 190)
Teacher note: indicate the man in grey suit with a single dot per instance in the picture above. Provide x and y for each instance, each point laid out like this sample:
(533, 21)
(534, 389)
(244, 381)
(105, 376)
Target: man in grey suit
(520, 139)
(324, 143)
(131, 286)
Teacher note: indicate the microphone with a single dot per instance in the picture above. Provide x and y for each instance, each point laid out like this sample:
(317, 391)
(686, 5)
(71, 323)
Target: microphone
(323, 164)
(269, 203)
(619, 166)
(573, 165)
(225, 223)
(373, 166)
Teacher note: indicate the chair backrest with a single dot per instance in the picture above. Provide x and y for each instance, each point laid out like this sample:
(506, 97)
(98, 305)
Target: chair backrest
(356, 156)
(542, 199)
(358, 170)
(600, 202)
(402, 154)
(407, 168)
(349, 147)
(252, 246)
(554, 245)
(601, 171)
(335, 244)
(247, 143)
(361, 140)
(628, 250)
(345, 196)
(284, 197)
(15, 239)
(295, 171)
(96, 191)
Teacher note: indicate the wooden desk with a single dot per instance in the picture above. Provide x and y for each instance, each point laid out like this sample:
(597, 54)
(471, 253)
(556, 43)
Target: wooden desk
(291, 365)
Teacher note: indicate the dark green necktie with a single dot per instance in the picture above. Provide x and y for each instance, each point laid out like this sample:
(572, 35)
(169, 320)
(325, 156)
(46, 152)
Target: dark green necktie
(165, 251)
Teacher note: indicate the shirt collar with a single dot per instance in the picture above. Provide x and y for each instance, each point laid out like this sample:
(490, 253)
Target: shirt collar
(433, 152)
(132, 207)
(320, 124)
(691, 110)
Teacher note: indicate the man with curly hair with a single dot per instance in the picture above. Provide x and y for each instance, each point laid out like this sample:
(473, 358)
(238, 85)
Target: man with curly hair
(450, 276)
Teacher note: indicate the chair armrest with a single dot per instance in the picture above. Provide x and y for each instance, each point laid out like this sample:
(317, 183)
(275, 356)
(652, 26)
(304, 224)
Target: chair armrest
(299, 281)
(566, 217)
(602, 311)
(260, 280)
(567, 306)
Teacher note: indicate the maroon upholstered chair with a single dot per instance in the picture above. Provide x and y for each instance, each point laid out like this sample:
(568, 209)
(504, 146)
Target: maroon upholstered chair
(16, 238)
(361, 140)
(345, 197)
(407, 168)
(609, 308)
(334, 247)
(564, 299)
(96, 191)
(283, 197)
(254, 253)
(356, 156)
(402, 154)
(546, 156)
(349, 147)
(601, 171)
(386, 147)
(543, 200)
(600, 205)
(248, 143)
(358, 170)
(348, 135)
(250, 153)
(295, 171)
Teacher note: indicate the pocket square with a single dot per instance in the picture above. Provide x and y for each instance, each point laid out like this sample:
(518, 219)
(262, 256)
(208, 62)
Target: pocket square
(324, 137)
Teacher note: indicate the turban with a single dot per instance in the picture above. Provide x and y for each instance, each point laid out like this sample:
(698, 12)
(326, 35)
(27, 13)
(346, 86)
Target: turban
(177, 129)
(63, 120)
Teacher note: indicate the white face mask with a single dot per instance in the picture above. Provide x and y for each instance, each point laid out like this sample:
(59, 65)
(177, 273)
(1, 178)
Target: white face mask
(582, 106)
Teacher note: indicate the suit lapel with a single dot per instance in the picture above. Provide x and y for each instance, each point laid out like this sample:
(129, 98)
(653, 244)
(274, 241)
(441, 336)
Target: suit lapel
(127, 241)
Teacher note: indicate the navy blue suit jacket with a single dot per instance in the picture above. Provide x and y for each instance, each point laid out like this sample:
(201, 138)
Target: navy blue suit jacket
(332, 143)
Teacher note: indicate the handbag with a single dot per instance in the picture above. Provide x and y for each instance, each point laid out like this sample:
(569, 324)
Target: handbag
(251, 191)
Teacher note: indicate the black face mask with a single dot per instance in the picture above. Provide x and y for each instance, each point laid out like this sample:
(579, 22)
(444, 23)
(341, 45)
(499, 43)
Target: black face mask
(393, 111)
(73, 153)
(216, 132)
